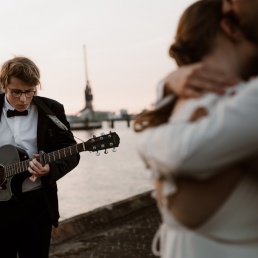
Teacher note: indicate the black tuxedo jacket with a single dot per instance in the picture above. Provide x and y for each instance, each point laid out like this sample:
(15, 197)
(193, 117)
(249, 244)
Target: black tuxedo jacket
(50, 138)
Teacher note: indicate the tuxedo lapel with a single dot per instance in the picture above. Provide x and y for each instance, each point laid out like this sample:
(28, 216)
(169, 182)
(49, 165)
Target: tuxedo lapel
(43, 122)
(1, 103)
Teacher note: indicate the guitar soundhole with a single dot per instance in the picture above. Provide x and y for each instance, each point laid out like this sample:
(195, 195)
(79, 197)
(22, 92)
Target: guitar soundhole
(2, 175)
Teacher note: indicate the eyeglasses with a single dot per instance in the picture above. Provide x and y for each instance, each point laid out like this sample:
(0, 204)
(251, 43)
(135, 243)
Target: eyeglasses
(18, 93)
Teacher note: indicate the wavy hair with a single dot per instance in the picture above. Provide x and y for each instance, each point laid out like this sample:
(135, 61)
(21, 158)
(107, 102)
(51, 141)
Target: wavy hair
(21, 68)
(195, 37)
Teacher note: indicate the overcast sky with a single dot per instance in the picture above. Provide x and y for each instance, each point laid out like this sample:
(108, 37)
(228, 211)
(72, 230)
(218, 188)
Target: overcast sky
(126, 42)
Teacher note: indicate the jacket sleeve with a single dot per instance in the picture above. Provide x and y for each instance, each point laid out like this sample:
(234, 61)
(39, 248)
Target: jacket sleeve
(201, 149)
(61, 139)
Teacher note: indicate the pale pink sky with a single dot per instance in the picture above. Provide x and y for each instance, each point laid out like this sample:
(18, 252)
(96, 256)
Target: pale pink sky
(127, 43)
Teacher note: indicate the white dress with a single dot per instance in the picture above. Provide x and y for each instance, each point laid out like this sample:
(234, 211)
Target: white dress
(232, 231)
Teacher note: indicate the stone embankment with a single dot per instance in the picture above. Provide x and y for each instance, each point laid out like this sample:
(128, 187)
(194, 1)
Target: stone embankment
(120, 230)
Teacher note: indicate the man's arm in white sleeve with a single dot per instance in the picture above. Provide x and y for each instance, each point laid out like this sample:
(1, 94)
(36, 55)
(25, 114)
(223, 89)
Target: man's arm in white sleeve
(227, 135)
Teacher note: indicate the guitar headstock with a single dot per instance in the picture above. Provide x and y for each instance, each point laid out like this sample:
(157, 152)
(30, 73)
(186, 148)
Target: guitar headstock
(103, 142)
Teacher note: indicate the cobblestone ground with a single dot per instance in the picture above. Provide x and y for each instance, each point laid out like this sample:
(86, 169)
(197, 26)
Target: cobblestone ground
(126, 237)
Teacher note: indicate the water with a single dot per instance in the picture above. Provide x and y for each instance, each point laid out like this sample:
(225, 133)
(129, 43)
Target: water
(104, 179)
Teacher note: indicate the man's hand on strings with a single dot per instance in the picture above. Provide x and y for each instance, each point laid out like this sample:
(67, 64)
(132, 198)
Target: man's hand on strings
(36, 169)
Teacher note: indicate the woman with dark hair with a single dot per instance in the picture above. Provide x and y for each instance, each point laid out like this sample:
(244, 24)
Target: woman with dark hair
(200, 209)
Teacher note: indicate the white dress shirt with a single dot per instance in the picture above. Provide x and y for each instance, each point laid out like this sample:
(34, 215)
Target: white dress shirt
(21, 131)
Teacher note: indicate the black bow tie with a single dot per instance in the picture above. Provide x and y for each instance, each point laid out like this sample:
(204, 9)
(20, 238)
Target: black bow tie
(15, 112)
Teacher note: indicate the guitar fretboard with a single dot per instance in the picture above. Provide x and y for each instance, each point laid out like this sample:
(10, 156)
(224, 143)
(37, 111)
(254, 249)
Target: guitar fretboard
(19, 167)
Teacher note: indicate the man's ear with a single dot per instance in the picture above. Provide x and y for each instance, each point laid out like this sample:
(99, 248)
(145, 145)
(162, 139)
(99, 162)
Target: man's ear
(231, 30)
(4, 88)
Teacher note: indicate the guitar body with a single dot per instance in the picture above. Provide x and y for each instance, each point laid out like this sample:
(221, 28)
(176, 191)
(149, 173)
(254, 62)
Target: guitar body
(9, 155)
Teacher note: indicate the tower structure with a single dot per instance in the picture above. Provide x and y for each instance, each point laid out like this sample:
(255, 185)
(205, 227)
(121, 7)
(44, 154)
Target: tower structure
(88, 96)
(87, 92)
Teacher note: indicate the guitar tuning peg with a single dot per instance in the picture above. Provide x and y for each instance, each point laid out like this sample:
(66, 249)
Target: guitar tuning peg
(114, 150)
(102, 134)
(94, 136)
(106, 151)
(97, 153)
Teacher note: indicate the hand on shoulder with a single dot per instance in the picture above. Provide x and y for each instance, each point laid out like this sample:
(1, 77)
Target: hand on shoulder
(190, 81)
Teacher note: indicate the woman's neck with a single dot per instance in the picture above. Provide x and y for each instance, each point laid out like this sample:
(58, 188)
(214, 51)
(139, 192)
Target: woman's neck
(224, 57)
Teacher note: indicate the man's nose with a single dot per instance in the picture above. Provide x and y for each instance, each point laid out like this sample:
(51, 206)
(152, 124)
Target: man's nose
(23, 97)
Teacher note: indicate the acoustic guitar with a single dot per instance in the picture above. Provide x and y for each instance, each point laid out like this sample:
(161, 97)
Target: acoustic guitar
(14, 161)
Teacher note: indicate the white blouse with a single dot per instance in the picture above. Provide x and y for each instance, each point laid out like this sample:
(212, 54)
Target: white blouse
(227, 134)
(199, 149)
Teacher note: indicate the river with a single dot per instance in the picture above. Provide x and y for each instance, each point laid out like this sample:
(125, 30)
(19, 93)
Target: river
(101, 180)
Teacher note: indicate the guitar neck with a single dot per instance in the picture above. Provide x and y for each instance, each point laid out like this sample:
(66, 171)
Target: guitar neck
(62, 153)
(102, 142)
(17, 168)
